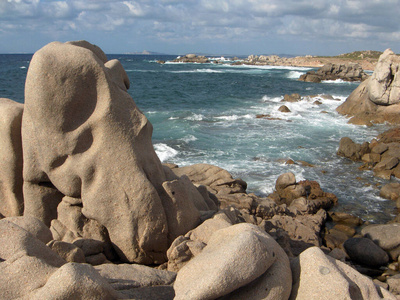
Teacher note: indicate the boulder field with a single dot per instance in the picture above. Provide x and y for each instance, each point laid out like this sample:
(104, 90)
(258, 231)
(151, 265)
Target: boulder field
(89, 212)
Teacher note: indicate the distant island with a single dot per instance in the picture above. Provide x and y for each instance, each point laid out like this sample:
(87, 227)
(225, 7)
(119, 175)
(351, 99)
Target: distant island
(145, 52)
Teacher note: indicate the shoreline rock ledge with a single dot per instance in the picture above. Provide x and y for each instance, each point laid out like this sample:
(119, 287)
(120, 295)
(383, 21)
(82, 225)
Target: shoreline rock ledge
(377, 99)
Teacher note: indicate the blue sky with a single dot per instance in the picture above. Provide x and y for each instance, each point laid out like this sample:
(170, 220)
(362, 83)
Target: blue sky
(318, 27)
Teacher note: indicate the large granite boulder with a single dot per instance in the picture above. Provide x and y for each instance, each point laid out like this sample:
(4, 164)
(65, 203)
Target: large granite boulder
(234, 257)
(90, 169)
(11, 199)
(75, 281)
(384, 85)
(318, 276)
(23, 259)
(376, 99)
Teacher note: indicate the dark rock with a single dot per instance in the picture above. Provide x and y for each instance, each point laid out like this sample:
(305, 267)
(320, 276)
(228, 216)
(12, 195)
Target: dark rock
(366, 252)
(284, 109)
(292, 98)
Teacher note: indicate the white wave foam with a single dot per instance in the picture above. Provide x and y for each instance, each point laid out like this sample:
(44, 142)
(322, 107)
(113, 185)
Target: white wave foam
(234, 117)
(164, 152)
(195, 117)
(339, 81)
(267, 98)
(268, 67)
(228, 118)
(189, 138)
(198, 71)
(294, 74)
(23, 67)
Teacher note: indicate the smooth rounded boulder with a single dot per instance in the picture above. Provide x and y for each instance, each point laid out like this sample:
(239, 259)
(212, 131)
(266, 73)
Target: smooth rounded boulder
(366, 252)
(233, 257)
(319, 276)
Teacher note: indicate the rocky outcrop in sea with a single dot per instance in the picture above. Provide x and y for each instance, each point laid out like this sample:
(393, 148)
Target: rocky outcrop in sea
(192, 58)
(89, 212)
(345, 72)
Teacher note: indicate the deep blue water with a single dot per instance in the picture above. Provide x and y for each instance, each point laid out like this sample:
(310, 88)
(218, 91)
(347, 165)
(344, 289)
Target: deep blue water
(206, 113)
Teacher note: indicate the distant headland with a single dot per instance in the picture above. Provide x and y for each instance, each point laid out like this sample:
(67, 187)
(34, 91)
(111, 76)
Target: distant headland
(366, 59)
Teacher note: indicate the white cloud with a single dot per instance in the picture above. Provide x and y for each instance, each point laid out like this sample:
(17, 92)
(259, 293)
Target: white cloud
(206, 19)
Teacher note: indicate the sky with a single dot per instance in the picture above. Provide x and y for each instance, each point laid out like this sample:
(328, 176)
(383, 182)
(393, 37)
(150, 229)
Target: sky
(235, 27)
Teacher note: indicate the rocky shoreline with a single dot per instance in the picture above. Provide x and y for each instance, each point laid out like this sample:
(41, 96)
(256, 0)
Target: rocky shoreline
(366, 63)
(88, 211)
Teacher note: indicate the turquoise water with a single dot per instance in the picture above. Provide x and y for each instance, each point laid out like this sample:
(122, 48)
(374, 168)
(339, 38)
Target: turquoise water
(206, 113)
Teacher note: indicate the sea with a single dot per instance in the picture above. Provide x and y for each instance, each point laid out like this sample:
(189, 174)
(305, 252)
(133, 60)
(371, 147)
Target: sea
(207, 113)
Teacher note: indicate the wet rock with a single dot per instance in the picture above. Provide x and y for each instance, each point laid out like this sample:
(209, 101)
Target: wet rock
(352, 150)
(390, 191)
(284, 109)
(292, 98)
(366, 252)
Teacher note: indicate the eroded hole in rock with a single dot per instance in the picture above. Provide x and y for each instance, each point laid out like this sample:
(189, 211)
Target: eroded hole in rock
(84, 142)
(59, 161)
(47, 184)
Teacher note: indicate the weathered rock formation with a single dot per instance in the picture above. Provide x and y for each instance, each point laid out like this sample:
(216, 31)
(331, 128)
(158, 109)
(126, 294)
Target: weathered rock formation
(377, 99)
(346, 72)
(89, 165)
